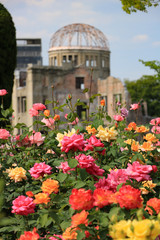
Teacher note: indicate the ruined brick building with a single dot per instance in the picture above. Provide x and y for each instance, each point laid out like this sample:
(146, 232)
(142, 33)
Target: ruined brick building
(77, 53)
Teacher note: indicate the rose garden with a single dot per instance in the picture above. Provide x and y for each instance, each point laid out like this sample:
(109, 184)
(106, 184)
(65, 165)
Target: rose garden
(96, 179)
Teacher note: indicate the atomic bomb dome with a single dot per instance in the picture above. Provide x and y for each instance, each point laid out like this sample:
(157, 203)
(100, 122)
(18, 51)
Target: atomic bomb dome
(79, 35)
(80, 44)
(79, 58)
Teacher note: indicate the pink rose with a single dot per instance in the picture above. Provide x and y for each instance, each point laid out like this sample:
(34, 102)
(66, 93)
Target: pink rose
(155, 121)
(154, 168)
(39, 106)
(39, 169)
(3, 92)
(135, 106)
(23, 205)
(4, 134)
(33, 112)
(118, 103)
(49, 122)
(92, 143)
(22, 142)
(74, 143)
(65, 168)
(84, 160)
(37, 139)
(158, 144)
(118, 118)
(139, 171)
(155, 129)
(115, 177)
(95, 170)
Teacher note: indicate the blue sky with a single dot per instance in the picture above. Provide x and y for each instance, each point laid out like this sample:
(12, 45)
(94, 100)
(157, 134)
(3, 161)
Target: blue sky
(131, 37)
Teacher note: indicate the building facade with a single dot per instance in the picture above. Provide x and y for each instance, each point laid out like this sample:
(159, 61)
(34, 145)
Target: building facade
(79, 57)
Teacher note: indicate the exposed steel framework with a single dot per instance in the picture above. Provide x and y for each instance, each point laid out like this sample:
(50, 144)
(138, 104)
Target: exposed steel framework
(79, 35)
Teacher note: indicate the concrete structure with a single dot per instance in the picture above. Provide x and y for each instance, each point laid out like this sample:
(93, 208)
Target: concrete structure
(28, 51)
(77, 54)
(112, 91)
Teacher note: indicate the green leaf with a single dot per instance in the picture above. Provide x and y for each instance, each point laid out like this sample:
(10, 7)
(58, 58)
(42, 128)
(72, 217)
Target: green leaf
(6, 112)
(85, 90)
(96, 123)
(72, 163)
(114, 212)
(71, 117)
(61, 177)
(9, 229)
(104, 221)
(80, 235)
(108, 118)
(48, 102)
(80, 184)
(43, 219)
(65, 224)
(54, 216)
(119, 186)
(83, 174)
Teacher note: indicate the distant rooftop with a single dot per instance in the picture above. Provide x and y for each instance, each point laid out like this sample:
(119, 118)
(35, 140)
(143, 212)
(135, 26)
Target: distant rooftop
(28, 41)
(79, 36)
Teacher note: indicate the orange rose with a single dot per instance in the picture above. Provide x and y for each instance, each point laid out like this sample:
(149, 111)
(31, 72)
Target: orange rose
(129, 197)
(147, 146)
(150, 137)
(91, 130)
(50, 186)
(135, 146)
(56, 117)
(102, 102)
(46, 113)
(41, 198)
(154, 203)
(141, 129)
(29, 194)
(70, 233)
(131, 126)
(80, 218)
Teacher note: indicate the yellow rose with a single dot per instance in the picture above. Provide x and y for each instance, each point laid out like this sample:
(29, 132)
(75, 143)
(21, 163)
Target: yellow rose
(155, 231)
(119, 230)
(106, 134)
(17, 174)
(140, 229)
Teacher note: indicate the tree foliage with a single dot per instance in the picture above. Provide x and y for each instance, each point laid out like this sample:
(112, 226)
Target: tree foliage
(138, 5)
(147, 88)
(7, 53)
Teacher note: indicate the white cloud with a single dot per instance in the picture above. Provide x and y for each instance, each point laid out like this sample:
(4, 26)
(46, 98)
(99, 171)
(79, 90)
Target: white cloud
(140, 38)
(113, 38)
(40, 3)
(156, 44)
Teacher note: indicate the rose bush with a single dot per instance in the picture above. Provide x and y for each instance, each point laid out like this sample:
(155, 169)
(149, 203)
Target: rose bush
(96, 180)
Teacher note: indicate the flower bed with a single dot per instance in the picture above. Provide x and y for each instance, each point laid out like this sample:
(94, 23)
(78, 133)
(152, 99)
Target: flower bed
(83, 181)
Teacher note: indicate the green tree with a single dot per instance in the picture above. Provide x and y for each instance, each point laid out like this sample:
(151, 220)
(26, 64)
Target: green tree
(8, 52)
(138, 5)
(147, 88)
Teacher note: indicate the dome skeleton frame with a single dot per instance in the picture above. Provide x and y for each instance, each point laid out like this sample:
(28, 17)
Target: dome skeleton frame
(81, 36)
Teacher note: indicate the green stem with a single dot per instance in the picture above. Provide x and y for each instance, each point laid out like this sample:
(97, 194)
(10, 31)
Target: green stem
(90, 91)
(53, 99)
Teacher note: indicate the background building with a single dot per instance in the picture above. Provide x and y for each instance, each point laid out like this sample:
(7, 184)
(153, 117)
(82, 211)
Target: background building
(28, 51)
(77, 54)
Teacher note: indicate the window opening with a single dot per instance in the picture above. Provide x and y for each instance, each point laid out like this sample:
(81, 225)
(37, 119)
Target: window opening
(79, 82)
